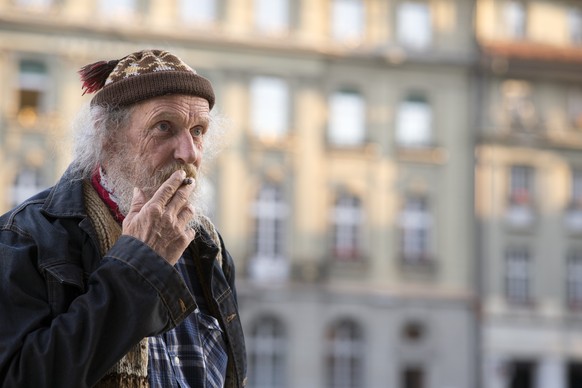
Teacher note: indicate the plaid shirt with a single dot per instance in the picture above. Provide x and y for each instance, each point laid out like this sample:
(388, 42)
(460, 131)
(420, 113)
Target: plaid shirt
(193, 353)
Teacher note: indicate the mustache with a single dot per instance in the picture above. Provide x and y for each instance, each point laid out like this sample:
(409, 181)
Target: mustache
(162, 174)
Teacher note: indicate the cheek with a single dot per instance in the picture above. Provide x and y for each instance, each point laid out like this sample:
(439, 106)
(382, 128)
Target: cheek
(157, 153)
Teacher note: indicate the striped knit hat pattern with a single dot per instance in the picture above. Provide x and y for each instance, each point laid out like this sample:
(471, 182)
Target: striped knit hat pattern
(141, 76)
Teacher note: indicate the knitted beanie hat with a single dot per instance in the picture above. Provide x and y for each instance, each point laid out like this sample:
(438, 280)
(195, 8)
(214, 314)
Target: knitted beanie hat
(140, 76)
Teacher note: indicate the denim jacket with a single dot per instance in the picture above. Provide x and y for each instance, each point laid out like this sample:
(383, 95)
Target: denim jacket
(67, 315)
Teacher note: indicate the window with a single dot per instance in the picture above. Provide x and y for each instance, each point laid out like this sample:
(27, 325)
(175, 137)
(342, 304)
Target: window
(520, 111)
(576, 189)
(347, 20)
(33, 84)
(517, 276)
(413, 332)
(574, 107)
(414, 122)
(574, 279)
(574, 210)
(520, 211)
(267, 349)
(272, 16)
(412, 377)
(574, 374)
(514, 17)
(415, 230)
(414, 26)
(40, 5)
(269, 107)
(270, 213)
(521, 374)
(345, 353)
(117, 9)
(27, 183)
(347, 223)
(197, 11)
(521, 185)
(575, 25)
(347, 119)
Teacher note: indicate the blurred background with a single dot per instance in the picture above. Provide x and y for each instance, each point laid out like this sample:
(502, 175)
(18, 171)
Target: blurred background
(400, 186)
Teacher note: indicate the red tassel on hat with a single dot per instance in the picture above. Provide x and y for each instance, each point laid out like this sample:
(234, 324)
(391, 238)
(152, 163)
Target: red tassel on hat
(95, 74)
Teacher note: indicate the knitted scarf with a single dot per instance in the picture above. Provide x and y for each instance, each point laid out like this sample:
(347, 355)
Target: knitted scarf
(132, 370)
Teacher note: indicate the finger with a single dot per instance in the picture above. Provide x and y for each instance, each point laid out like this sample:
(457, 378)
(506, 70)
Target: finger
(167, 190)
(185, 214)
(181, 196)
(137, 201)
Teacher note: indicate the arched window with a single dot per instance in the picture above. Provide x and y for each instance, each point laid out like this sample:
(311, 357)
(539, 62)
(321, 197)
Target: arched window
(344, 355)
(414, 122)
(267, 350)
(33, 84)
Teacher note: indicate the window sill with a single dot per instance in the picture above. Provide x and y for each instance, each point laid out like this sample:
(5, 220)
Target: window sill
(279, 142)
(520, 218)
(426, 155)
(413, 267)
(365, 149)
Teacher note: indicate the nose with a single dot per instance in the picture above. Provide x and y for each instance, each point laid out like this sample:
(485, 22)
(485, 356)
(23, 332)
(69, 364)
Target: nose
(186, 150)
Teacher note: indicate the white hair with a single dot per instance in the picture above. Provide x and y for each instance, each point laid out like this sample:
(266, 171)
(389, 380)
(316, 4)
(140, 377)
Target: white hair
(94, 128)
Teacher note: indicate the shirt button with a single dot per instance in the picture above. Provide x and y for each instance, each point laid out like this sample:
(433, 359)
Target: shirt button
(177, 360)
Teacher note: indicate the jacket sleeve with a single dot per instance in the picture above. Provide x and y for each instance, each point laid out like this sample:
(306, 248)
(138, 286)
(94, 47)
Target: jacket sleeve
(228, 267)
(133, 293)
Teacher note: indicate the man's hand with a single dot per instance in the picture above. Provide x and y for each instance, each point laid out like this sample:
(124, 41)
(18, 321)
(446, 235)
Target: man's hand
(162, 221)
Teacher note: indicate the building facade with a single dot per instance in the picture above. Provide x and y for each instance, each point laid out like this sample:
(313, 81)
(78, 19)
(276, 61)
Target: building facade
(345, 192)
(528, 192)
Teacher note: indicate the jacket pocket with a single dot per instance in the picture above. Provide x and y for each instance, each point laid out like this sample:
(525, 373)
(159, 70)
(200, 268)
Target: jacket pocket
(65, 282)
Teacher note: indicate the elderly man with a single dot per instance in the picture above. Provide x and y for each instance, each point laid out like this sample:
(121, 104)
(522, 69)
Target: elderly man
(113, 277)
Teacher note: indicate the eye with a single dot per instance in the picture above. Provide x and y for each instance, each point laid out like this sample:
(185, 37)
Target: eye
(164, 126)
(197, 131)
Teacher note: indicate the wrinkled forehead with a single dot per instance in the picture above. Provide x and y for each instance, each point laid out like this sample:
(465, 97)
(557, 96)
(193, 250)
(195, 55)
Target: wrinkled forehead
(179, 107)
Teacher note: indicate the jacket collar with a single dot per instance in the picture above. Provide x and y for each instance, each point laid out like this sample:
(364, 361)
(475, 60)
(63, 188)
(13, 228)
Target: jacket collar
(65, 199)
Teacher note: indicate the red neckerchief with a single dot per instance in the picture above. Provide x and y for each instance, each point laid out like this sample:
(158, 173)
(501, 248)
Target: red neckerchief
(106, 197)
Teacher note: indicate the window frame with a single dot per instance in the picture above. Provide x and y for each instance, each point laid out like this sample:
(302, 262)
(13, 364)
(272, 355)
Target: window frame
(416, 230)
(263, 20)
(415, 111)
(339, 9)
(265, 98)
(267, 351)
(345, 354)
(347, 220)
(348, 100)
(407, 15)
(518, 275)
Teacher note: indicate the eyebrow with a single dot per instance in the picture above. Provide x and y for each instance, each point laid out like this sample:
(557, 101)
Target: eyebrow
(203, 119)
